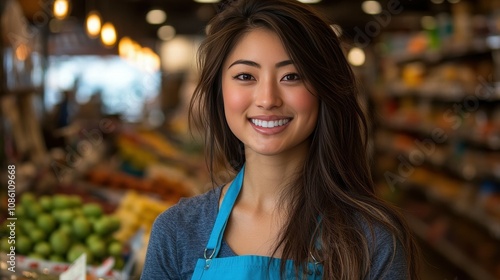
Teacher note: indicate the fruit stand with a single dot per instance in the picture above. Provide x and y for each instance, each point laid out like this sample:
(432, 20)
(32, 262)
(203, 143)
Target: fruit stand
(105, 210)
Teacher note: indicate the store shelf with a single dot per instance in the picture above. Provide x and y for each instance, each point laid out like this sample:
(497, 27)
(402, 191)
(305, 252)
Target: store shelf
(439, 108)
(438, 163)
(474, 214)
(412, 128)
(478, 48)
(450, 252)
(491, 143)
(445, 93)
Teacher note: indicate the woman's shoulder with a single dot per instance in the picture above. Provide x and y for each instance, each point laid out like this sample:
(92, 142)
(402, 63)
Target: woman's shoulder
(387, 253)
(191, 208)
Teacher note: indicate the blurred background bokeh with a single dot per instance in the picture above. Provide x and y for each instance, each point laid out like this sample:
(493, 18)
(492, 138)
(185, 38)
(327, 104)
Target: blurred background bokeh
(95, 139)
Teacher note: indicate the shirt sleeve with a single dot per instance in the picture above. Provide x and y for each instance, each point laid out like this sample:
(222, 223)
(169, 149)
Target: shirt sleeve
(388, 259)
(161, 256)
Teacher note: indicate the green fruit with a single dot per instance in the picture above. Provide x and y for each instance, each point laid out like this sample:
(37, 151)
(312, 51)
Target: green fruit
(28, 198)
(76, 251)
(27, 225)
(36, 256)
(4, 245)
(98, 248)
(37, 235)
(42, 248)
(20, 211)
(60, 242)
(78, 212)
(91, 238)
(115, 223)
(57, 258)
(61, 201)
(92, 210)
(23, 245)
(102, 226)
(66, 229)
(75, 201)
(46, 222)
(81, 227)
(56, 213)
(65, 216)
(106, 225)
(33, 210)
(46, 202)
(115, 249)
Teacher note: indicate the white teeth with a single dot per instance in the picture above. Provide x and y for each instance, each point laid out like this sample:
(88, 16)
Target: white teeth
(269, 124)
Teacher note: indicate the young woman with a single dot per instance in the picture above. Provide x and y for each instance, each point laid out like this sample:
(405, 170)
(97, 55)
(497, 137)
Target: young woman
(279, 104)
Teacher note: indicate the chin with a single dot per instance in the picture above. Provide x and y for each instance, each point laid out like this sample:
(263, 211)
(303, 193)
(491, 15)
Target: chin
(267, 151)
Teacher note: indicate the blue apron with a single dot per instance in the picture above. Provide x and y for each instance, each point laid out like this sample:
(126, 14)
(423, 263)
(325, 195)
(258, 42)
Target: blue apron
(241, 267)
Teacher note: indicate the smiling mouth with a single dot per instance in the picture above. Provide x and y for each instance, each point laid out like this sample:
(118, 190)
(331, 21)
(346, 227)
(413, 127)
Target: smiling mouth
(269, 124)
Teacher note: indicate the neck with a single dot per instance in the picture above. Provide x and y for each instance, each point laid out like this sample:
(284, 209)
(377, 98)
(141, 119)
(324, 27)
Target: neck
(266, 177)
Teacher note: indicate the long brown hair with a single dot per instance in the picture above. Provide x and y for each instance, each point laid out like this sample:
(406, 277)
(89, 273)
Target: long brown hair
(332, 198)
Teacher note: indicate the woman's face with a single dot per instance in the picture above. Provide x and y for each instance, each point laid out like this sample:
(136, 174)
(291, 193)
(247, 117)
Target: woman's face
(266, 102)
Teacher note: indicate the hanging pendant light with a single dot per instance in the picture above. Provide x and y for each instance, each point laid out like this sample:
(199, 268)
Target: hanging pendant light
(108, 34)
(93, 24)
(61, 9)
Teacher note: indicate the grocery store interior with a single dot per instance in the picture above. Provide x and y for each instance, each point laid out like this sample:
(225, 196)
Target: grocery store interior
(94, 98)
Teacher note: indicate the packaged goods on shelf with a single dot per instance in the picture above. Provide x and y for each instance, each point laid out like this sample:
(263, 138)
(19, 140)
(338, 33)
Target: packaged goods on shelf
(437, 138)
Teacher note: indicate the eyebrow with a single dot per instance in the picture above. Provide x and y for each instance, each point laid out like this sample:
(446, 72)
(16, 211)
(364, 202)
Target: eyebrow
(255, 64)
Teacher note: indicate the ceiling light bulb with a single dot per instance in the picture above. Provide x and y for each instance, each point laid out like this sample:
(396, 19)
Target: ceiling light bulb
(371, 7)
(356, 57)
(93, 24)
(108, 34)
(166, 32)
(61, 8)
(125, 47)
(156, 16)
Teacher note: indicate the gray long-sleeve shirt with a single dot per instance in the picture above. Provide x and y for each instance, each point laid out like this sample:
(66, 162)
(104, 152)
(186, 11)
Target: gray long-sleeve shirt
(180, 234)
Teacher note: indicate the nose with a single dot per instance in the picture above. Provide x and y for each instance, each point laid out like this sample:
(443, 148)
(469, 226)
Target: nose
(268, 95)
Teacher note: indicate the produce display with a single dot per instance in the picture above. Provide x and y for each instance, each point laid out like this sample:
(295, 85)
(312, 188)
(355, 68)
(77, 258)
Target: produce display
(137, 211)
(61, 227)
(106, 209)
(145, 148)
(167, 188)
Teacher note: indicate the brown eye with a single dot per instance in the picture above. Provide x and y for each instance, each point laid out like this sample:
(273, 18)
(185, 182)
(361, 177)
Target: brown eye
(244, 77)
(291, 77)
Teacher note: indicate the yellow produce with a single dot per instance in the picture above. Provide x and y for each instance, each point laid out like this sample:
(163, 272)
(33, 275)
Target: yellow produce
(137, 211)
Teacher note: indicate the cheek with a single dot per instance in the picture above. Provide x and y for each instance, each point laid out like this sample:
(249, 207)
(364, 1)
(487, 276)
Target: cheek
(305, 102)
(234, 100)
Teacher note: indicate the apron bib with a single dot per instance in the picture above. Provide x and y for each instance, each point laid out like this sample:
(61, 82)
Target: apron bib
(241, 267)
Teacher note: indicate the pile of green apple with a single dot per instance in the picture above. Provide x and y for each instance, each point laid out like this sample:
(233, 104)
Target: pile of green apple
(60, 228)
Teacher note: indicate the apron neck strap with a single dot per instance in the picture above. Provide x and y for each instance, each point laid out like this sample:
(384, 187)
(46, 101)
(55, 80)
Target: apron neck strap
(215, 241)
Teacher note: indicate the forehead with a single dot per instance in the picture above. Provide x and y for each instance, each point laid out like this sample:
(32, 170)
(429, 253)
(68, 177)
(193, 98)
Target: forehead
(259, 43)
